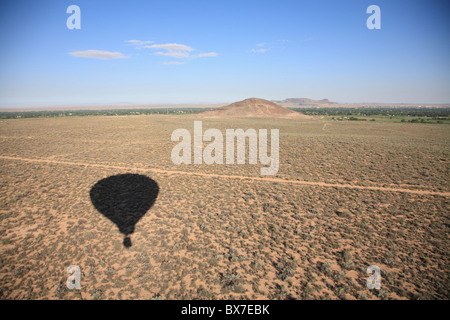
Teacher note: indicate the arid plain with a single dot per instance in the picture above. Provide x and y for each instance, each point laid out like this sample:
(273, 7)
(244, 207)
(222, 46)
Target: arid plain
(347, 195)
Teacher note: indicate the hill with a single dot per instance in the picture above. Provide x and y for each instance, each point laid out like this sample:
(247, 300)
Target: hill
(253, 107)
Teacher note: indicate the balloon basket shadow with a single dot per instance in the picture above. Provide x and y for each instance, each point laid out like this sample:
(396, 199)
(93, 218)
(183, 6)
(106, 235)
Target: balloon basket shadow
(127, 242)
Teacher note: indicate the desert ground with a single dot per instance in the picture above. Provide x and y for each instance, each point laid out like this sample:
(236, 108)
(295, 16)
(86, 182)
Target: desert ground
(347, 195)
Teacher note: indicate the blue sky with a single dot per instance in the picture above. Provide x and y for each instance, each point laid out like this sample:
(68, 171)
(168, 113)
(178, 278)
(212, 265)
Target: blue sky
(222, 51)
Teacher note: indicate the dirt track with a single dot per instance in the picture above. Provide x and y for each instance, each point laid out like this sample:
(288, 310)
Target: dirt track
(212, 175)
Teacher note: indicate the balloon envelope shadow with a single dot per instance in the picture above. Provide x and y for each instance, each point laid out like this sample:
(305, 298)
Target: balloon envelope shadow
(124, 199)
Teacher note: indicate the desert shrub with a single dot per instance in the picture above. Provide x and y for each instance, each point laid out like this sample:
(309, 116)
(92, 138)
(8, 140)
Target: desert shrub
(347, 259)
(338, 275)
(362, 296)
(326, 268)
(231, 281)
(267, 206)
(343, 213)
(286, 268)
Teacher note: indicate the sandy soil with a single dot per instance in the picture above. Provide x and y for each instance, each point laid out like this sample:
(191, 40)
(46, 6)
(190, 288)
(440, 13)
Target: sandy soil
(347, 195)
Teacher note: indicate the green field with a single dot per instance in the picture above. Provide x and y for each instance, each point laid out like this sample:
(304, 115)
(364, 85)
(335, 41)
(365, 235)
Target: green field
(401, 115)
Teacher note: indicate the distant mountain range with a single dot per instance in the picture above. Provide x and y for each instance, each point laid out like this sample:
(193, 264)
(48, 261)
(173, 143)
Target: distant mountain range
(293, 102)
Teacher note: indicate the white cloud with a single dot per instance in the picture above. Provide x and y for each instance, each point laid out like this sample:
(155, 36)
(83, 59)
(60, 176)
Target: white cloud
(138, 42)
(260, 44)
(174, 54)
(98, 54)
(262, 50)
(203, 55)
(173, 63)
(171, 47)
(173, 50)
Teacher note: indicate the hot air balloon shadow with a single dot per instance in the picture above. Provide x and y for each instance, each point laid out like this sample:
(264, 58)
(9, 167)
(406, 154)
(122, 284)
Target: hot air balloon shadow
(124, 199)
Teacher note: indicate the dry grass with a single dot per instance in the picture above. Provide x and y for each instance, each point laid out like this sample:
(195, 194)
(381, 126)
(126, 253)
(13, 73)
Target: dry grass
(217, 237)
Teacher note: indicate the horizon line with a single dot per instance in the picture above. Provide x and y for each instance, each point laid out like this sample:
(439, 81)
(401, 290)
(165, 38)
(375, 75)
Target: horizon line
(126, 105)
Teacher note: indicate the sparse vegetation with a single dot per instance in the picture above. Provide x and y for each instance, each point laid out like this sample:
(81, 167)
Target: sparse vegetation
(219, 237)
